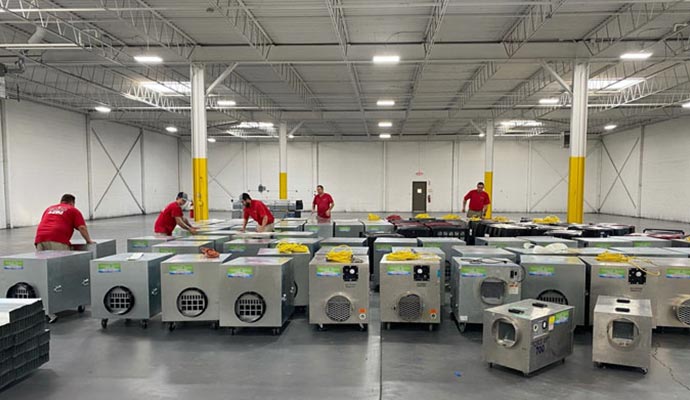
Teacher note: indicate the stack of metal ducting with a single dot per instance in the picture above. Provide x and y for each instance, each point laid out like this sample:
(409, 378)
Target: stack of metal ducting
(24, 339)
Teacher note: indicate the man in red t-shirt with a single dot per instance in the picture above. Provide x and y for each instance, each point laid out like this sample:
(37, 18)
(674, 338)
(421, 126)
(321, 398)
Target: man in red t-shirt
(258, 212)
(322, 204)
(479, 202)
(58, 224)
(172, 216)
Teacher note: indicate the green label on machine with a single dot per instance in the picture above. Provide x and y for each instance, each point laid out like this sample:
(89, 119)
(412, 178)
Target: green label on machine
(375, 229)
(237, 248)
(541, 270)
(642, 244)
(13, 264)
(240, 272)
(312, 228)
(109, 268)
(166, 250)
(399, 270)
(678, 273)
(325, 271)
(139, 244)
(383, 247)
(562, 317)
(344, 228)
(612, 273)
(601, 245)
(181, 269)
(473, 272)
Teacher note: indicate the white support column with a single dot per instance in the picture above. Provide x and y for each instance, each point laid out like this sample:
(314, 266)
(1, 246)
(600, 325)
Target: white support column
(5, 163)
(282, 144)
(199, 143)
(578, 143)
(89, 166)
(489, 163)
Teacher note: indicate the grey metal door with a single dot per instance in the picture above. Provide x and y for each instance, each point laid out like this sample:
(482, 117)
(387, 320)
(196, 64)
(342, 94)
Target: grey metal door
(418, 197)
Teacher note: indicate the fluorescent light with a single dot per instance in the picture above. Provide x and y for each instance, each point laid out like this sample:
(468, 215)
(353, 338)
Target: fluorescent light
(171, 129)
(386, 59)
(385, 103)
(385, 124)
(612, 84)
(211, 140)
(481, 135)
(168, 87)
(520, 123)
(640, 55)
(291, 136)
(102, 109)
(686, 105)
(610, 127)
(255, 125)
(385, 135)
(550, 101)
(148, 59)
(226, 103)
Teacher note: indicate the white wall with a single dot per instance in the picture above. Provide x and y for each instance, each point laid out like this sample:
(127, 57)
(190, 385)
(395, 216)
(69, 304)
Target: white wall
(654, 181)
(48, 157)
(529, 175)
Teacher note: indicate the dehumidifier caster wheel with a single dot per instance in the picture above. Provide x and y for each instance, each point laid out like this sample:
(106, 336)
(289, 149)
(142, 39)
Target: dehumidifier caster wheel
(232, 331)
(215, 325)
(491, 365)
(645, 371)
(172, 326)
(462, 327)
(431, 327)
(144, 323)
(363, 327)
(275, 331)
(51, 318)
(526, 374)
(81, 309)
(600, 365)
(388, 326)
(320, 328)
(104, 323)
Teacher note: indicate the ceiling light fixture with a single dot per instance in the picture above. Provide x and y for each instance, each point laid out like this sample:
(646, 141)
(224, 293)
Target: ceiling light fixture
(171, 129)
(686, 105)
(102, 109)
(385, 103)
(612, 84)
(148, 59)
(610, 127)
(226, 103)
(291, 136)
(550, 101)
(385, 124)
(385, 136)
(520, 123)
(390, 59)
(640, 55)
(211, 140)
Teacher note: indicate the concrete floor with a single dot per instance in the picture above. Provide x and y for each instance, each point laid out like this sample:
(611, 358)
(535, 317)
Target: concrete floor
(126, 362)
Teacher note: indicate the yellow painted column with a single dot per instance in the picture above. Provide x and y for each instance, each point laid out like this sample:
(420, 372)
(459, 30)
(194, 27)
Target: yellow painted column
(489, 164)
(282, 178)
(578, 143)
(199, 143)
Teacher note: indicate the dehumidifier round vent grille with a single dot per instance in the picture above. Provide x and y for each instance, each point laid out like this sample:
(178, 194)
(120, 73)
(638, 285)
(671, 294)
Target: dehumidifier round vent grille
(21, 290)
(250, 307)
(339, 308)
(410, 307)
(683, 312)
(192, 302)
(553, 296)
(118, 300)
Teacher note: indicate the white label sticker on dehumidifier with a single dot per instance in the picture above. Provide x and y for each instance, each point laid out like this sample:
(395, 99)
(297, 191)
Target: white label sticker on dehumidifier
(514, 288)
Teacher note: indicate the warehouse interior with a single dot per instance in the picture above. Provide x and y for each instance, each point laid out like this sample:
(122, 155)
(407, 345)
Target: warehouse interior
(573, 112)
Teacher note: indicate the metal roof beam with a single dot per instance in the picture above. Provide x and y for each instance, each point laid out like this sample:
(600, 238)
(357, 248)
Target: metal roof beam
(151, 24)
(626, 21)
(335, 10)
(243, 88)
(529, 22)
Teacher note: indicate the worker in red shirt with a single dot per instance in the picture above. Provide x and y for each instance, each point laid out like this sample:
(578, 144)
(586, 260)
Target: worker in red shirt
(58, 224)
(322, 204)
(479, 202)
(172, 216)
(259, 213)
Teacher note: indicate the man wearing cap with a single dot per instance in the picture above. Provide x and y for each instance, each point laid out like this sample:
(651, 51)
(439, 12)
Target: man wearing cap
(172, 215)
(259, 213)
